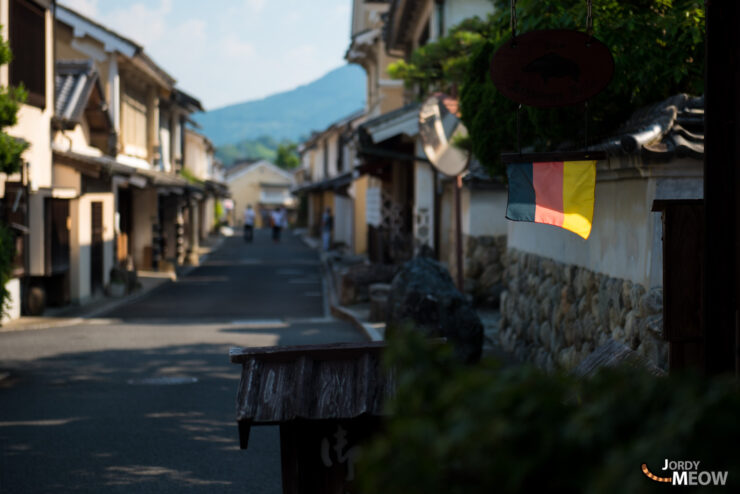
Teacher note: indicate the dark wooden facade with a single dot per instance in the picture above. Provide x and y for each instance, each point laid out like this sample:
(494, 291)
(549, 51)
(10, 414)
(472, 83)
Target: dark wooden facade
(721, 311)
(683, 275)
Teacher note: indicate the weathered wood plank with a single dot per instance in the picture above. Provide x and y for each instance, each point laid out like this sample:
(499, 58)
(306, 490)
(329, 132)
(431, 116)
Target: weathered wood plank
(613, 354)
(238, 355)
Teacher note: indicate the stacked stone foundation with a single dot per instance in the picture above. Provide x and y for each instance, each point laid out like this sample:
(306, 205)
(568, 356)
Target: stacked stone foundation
(484, 268)
(554, 314)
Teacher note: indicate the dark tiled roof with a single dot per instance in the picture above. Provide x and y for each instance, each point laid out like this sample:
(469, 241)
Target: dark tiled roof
(187, 101)
(411, 107)
(218, 188)
(78, 89)
(317, 382)
(671, 128)
(335, 183)
(74, 81)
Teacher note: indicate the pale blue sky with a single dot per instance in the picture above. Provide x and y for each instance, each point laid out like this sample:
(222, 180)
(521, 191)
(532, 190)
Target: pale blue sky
(229, 51)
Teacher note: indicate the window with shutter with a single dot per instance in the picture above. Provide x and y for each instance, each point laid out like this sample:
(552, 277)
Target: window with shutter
(134, 123)
(27, 34)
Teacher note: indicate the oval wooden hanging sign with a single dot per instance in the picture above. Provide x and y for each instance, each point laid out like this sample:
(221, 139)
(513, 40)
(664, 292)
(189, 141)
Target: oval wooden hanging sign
(553, 67)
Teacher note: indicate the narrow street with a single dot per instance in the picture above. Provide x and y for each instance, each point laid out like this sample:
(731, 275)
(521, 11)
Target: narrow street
(142, 398)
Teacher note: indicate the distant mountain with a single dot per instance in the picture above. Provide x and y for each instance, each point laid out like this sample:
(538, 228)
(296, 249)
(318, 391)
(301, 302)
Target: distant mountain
(291, 114)
(264, 147)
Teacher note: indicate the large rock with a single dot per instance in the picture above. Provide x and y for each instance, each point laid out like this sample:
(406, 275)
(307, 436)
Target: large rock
(423, 297)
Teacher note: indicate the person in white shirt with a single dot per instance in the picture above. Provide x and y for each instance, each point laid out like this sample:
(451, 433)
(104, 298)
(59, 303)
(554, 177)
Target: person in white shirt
(279, 220)
(248, 223)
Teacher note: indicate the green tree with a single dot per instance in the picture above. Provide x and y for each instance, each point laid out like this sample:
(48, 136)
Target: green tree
(287, 155)
(658, 50)
(10, 162)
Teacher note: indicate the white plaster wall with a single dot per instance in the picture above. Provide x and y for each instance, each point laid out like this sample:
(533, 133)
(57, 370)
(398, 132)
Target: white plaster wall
(343, 215)
(34, 127)
(196, 160)
(75, 140)
(424, 204)
(81, 241)
(209, 209)
(333, 153)
(318, 159)
(165, 140)
(487, 212)
(13, 312)
(621, 240)
(34, 124)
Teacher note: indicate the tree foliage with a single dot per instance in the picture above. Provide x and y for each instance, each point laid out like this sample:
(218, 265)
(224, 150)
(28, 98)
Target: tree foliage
(282, 153)
(657, 45)
(263, 147)
(441, 65)
(10, 99)
(456, 429)
(10, 162)
(286, 156)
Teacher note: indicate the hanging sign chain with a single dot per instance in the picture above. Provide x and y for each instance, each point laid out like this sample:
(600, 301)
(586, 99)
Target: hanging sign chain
(519, 128)
(585, 126)
(589, 19)
(513, 21)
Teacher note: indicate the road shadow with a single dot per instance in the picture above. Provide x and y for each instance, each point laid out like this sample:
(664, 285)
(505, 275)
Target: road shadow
(105, 422)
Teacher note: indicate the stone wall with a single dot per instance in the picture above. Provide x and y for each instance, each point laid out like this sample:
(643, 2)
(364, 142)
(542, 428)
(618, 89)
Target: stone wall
(484, 268)
(554, 314)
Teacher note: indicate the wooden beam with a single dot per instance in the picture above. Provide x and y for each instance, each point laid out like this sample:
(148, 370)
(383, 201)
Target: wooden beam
(553, 156)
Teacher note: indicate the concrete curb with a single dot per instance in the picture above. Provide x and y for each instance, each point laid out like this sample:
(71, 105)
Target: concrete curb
(61, 321)
(338, 310)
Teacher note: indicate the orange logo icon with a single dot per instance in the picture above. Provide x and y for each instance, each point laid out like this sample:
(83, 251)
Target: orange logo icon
(654, 477)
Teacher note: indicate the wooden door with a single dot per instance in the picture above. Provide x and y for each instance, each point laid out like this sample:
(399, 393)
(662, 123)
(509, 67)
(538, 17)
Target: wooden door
(683, 251)
(57, 235)
(96, 248)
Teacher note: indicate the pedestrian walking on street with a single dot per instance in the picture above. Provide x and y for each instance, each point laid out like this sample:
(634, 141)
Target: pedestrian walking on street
(327, 225)
(279, 220)
(248, 224)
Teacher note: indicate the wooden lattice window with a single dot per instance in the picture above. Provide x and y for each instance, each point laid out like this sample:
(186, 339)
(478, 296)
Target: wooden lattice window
(28, 43)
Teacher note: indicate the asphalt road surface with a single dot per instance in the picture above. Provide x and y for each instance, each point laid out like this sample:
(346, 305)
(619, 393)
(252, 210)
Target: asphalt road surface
(143, 398)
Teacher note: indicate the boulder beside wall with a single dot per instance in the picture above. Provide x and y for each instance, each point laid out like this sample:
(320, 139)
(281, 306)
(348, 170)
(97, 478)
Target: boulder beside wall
(424, 297)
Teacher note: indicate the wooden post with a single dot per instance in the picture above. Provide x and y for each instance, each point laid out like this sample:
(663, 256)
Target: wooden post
(721, 182)
(458, 234)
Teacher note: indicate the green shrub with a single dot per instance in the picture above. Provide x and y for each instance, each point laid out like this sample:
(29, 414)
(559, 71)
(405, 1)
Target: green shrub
(218, 214)
(11, 150)
(485, 428)
(7, 254)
